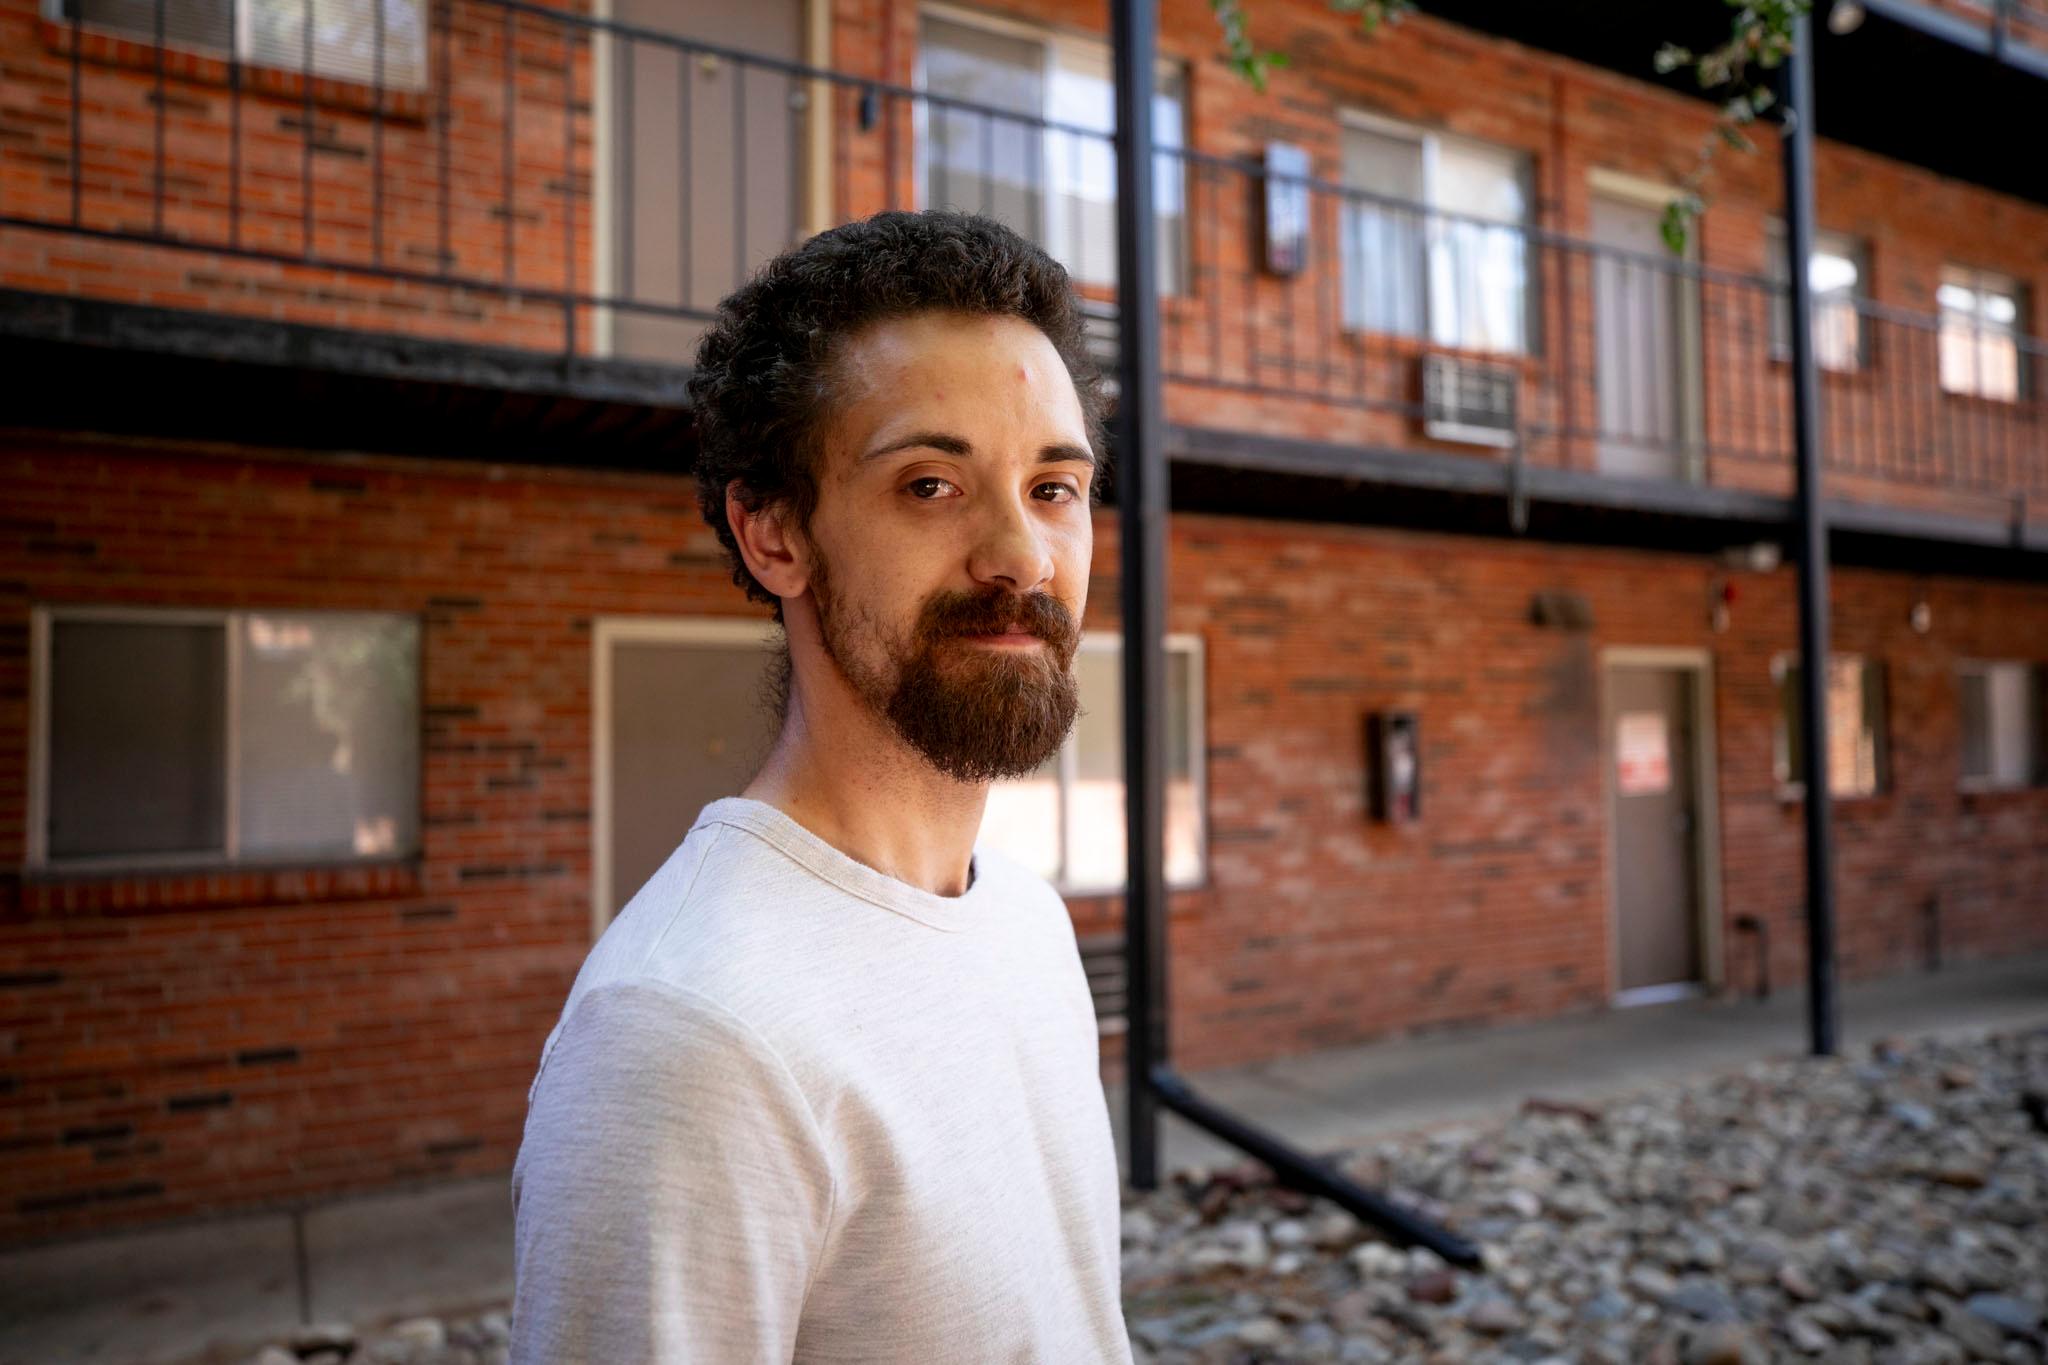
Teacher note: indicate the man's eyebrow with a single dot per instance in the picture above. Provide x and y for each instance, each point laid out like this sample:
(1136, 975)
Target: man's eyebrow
(955, 445)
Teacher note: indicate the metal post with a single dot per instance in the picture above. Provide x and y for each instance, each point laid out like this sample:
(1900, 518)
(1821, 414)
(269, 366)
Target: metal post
(1823, 1010)
(1140, 473)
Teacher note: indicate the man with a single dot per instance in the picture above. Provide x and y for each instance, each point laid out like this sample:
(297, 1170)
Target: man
(826, 1089)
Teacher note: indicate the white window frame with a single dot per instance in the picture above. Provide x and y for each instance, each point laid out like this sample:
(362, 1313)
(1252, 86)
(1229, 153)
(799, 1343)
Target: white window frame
(1827, 241)
(1430, 143)
(244, 42)
(1111, 642)
(2037, 743)
(1794, 789)
(1052, 42)
(42, 616)
(1983, 280)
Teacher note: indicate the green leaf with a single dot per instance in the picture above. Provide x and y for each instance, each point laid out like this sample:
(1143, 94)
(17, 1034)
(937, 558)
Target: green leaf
(1734, 138)
(1673, 228)
(1670, 57)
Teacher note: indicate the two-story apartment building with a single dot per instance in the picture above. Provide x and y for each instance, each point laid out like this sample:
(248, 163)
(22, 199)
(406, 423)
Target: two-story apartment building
(367, 650)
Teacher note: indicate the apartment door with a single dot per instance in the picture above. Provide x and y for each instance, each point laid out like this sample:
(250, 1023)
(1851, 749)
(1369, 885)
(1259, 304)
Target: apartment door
(705, 161)
(1646, 333)
(679, 721)
(1652, 749)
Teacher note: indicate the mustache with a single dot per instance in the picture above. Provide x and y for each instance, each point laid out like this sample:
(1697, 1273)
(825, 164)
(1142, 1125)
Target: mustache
(992, 613)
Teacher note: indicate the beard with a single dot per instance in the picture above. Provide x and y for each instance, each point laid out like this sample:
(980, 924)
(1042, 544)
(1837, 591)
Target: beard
(974, 712)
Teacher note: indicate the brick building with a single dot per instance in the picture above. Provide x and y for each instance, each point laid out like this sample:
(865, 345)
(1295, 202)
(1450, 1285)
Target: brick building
(353, 574)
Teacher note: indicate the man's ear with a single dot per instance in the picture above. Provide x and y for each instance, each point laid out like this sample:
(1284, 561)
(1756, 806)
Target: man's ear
(776, 557)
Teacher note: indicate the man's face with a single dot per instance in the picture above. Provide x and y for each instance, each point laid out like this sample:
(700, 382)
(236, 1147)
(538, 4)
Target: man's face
(951, 541)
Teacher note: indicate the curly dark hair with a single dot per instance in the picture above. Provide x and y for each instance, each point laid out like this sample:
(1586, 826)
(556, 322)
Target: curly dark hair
(765, 371)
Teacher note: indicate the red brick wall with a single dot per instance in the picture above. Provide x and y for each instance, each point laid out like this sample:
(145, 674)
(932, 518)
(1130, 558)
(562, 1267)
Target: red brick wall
(179, 1046)
(1893, 436)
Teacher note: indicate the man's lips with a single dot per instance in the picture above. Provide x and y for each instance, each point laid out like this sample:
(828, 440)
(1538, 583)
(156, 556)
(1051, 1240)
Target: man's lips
(1016, 635)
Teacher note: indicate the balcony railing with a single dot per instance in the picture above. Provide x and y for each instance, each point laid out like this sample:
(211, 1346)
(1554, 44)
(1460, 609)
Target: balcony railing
(501, 172)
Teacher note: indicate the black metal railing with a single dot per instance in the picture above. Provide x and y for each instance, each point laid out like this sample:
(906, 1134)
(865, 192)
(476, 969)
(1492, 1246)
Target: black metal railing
(499, 170)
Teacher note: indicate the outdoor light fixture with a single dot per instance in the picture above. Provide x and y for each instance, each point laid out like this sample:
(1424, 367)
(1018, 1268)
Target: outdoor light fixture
(1845, 17)
(1921, 617)
(1760, 557)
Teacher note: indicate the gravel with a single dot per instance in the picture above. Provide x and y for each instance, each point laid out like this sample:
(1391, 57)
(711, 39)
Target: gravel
(1889, 1208)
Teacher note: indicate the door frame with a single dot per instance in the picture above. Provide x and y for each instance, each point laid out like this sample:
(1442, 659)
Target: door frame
(606, 632)
(1621, 187)
(1699, 662)
(814, 213)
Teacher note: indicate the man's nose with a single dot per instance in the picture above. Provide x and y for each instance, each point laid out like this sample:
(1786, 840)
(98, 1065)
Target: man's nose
(1011, 549)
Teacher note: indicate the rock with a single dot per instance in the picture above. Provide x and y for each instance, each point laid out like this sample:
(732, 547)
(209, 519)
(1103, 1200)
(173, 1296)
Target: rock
(1139, 1228)
(320, 1336)
(1807, 1336)
(1720, 1344)
(1433, 1286)
(1704, 1301)
(1918, 1117)
(422, 1332)
(274, 1355)
(1797, 1283)
(1374, 1260)
(2013, 1315)
(1261, 1332)
(1606, 1306)
(1978, 1335)
(1288, 1232)
(1962, 1173)
(1495, 1317)
(1651, 1282)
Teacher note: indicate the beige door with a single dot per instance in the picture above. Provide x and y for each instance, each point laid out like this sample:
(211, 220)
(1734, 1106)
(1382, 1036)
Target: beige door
(683, 723)
(1645, 323)
(1651, 747)
(706, 159)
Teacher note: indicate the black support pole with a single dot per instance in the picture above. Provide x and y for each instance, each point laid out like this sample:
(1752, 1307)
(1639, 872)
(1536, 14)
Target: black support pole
(1823, 1010)
(1140, 481)
(1140, 474)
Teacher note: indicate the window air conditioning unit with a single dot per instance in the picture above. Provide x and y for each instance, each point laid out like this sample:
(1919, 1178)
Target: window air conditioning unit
(1468, 402)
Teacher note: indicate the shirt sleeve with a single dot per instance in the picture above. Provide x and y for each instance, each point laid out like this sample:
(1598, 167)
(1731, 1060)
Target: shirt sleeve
(672, 1192)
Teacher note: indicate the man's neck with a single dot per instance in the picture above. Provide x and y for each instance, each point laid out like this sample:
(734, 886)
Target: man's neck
(841, 772)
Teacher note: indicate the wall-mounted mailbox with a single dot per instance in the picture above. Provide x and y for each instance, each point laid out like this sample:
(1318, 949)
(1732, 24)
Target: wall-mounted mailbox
(1393, 746)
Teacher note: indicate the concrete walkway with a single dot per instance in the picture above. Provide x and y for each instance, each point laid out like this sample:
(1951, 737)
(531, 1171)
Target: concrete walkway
(174, 1295)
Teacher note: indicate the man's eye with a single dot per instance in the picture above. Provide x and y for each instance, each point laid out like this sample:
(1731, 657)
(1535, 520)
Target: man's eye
(929, 481)
(1062, 492)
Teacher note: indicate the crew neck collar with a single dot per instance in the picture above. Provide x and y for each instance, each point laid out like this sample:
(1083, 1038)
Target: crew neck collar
(771, 823)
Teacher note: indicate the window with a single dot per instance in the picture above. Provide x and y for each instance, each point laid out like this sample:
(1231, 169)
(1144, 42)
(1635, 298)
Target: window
(1435, 244)
(204, 737)
(1066, 821)
(1839, 276)
(1055, 185)
(1856, 737)
(342, 33)
(1980, 333)
(2005, 724)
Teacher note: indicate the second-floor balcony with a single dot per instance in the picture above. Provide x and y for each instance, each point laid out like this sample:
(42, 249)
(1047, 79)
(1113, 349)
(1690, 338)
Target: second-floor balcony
(545, 182)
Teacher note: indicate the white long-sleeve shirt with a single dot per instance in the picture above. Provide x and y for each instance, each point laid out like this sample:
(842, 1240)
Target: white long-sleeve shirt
(796, 1110)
